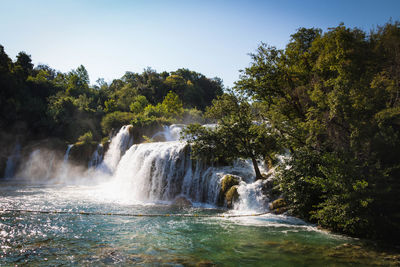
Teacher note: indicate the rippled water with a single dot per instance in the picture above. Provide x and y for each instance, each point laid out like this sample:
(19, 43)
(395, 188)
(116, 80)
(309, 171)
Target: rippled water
(95, 240)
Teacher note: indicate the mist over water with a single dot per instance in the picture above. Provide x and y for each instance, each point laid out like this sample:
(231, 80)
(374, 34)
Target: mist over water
(144, 173)
(146, 179)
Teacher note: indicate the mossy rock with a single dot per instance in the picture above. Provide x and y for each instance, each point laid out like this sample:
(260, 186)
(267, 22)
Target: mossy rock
(278, 206)
(232, 196)
(227, 182)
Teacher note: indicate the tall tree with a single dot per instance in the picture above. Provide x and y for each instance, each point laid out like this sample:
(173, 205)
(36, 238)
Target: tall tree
(239, 133)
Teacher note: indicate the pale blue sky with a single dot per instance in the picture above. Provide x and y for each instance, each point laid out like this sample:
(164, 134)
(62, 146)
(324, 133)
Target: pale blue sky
(110, 37)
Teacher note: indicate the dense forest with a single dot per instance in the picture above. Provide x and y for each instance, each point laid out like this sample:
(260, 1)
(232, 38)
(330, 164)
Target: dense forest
(330, 102)
(44, 102)
(324, 112)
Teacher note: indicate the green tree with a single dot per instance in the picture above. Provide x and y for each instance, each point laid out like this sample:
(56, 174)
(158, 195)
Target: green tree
(172, 105)
(239, 133)
(332, 99)
(139, 104)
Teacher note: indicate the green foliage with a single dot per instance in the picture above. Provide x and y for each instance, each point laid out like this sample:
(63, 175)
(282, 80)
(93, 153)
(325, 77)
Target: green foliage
(172, 105)
(297, 182)
(142, 120)
(105, 140)
(110, 106)
(235, 135)
(139, 104)
(65, 105)
(114, 121)
(332, 99)
(193, 115)
(154, 111)
(86, 138)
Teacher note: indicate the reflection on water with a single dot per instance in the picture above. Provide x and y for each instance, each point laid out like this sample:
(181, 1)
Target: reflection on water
(56, 239)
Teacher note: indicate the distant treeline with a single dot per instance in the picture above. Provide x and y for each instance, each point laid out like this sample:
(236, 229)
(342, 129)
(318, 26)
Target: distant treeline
(47, 103)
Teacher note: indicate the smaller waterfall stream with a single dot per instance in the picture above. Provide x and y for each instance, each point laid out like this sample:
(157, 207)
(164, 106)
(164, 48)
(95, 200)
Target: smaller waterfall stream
(119, 144)
(12, 161)
(97, 157)
(170, 132)
(63, 173)
(251, 197)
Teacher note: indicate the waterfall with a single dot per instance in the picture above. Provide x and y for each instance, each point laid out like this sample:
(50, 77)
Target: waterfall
(12, 161)
(65, 166)
(252, 197)
(119, 144)
(169, 133)
(161, 171)
(97, 157)
(66, 156)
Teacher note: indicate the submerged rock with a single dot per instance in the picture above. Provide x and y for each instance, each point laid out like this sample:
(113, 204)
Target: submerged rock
(182, 202)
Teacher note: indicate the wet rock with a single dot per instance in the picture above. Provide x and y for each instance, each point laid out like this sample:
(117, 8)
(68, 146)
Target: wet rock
(227, 182)
(81, 153)
(182, 202)
(231, 196)
(278, 206)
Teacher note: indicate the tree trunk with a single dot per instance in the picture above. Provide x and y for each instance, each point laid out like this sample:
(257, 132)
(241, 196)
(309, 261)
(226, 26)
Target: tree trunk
(256, 169)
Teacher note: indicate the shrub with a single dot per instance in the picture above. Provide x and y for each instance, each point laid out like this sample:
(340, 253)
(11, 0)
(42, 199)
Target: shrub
(86, 138)
(115, 120)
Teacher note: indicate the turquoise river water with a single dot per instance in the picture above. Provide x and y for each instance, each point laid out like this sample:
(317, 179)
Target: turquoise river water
(31, 239)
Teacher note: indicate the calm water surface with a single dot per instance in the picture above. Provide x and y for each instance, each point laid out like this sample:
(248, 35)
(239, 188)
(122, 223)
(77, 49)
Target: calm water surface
(71, 239)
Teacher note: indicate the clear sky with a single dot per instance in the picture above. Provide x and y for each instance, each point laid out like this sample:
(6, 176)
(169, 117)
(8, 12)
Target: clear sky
(110, 37)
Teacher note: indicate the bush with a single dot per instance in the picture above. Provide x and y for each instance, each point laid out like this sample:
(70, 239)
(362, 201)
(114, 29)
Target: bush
(193, 115)
(86, 138)
(115, 120)
(328, 189)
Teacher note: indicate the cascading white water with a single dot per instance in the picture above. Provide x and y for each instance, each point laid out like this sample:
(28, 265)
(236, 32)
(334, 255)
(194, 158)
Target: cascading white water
(251, 197)
(150, 172)
(119, 144)
(170, 133)
(66, 156)
(12, 161)
(97, 157)
(65, 166)
(161, 171)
